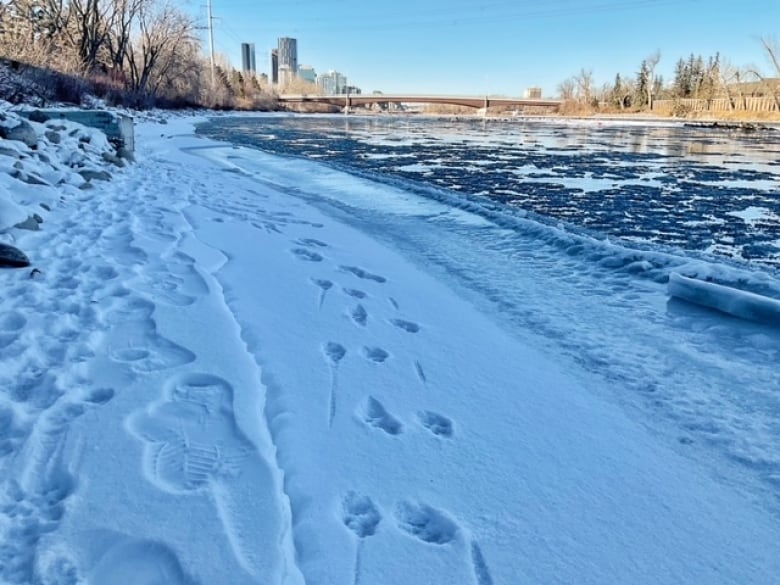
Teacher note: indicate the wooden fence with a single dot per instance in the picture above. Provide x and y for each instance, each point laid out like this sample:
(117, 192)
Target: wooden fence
(736, 104)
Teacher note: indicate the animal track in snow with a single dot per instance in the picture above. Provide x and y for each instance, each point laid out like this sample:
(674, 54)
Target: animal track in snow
(365, 275)
(425, 523)
(374, 414)
(420, 372)
(359, 315)
(311, 243)
(334, 353)
(353, 292)
(481, 572)
(375, 354)
(438, 424)
(306, 255)
(324, 285)
(360, 514)
(408, 326)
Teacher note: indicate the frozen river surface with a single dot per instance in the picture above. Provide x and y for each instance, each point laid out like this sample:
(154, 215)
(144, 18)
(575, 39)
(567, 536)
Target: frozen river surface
(699, 189)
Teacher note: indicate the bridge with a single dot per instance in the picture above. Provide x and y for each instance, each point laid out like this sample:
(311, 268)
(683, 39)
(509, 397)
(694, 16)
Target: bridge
(348, 100)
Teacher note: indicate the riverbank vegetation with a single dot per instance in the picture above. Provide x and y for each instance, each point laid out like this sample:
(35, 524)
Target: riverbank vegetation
(137, 53)
(708, 86)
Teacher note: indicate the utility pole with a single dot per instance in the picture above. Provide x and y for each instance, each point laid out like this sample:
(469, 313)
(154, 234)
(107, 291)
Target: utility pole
(211, 42)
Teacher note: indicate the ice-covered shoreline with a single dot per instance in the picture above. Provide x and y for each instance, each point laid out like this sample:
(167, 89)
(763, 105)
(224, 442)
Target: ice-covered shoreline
(215, 381)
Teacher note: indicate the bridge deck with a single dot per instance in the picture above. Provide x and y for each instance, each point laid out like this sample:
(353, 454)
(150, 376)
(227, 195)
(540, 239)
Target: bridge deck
(468, 101)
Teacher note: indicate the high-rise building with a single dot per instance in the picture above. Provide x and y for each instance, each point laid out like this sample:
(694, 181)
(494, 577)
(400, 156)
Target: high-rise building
(307, 73)
(248, 64)
(288, 54)
(533, 93)
(274, 66)
(332, 82)
(286, 75)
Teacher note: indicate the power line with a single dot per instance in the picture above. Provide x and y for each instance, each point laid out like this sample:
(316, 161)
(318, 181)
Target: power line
(497, 11)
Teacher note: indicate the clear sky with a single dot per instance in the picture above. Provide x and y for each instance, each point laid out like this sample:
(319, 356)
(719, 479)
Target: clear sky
(491, 46)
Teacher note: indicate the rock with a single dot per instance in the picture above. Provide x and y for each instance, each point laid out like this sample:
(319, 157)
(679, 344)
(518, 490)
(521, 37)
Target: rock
(29, 224)
(86, 186)
(126, 154)
(89, 175)
(10, 152)
(32, 179)
(53, 137)
(38, 116)
(114, 159)
(11, 257)
(35, 273)
(23, 132)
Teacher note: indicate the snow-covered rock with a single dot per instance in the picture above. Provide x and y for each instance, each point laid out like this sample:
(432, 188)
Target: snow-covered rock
(43, 163)
(19, 129)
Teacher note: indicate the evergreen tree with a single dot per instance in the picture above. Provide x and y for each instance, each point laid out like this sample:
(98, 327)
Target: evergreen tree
(617, 92)
(681, 83)
(642, 85)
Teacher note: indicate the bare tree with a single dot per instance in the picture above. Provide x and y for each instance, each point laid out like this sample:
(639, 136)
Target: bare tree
(731, 80)
(584, 82)
(120, 25)
(567, 88)
(164, 34)
(651, 62)
(773, 54)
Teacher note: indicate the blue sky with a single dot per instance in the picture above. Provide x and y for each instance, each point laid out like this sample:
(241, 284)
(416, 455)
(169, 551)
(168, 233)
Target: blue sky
(492, 46)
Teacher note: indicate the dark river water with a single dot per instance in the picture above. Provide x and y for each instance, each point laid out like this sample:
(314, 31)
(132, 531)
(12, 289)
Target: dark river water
(702, 190)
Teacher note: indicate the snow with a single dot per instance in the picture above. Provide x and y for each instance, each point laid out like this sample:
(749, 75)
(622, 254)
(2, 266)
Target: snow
(225, 374)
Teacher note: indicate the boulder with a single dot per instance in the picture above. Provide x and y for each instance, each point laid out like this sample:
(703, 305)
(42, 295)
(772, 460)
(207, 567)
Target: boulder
(30, 223)
(38, 116)
(23, 132)
(11, 257)
(10, 152)
(89, 175)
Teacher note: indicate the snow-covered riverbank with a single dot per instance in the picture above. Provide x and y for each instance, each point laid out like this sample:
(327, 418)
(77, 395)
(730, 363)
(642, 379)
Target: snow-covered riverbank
(213, 381)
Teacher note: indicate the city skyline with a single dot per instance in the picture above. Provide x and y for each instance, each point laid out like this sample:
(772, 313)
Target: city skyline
(497, 46)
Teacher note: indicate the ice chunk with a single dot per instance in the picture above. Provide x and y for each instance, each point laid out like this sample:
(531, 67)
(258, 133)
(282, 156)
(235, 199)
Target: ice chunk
(733, 301)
